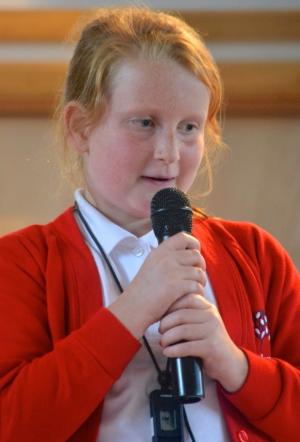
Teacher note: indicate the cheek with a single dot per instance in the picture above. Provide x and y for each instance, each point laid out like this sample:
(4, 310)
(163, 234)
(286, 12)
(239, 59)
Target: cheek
(117, 165)
(193, 159)
(190, 164)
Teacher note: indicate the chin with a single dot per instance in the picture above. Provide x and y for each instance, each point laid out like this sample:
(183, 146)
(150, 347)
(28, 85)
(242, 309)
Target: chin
(142, 211)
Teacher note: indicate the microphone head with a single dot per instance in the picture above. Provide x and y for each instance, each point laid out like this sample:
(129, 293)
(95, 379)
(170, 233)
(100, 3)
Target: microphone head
(171, 213)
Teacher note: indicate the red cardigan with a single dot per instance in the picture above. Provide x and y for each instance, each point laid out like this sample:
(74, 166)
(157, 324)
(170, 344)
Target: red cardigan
(61, 351)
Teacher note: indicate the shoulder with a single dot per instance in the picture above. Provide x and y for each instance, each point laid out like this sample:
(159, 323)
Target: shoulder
(249, 239)
(243, 233)
(32, 243)
(233, 231)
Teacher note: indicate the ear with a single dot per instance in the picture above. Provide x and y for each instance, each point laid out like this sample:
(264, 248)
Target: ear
(75, 126)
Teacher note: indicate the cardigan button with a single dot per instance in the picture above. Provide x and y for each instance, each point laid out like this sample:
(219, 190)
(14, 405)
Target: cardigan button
(243, 436)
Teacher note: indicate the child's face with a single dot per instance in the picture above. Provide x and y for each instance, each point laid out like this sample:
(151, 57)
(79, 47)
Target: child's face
(151, 136)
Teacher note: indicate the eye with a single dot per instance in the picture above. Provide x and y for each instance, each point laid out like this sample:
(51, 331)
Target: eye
(187, 127)
(144, 123)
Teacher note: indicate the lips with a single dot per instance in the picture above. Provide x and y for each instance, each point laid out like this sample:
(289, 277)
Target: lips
(159, 178)
(159, 182)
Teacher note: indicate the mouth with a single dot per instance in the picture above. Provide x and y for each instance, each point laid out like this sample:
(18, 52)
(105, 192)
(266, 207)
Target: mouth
(159, 179)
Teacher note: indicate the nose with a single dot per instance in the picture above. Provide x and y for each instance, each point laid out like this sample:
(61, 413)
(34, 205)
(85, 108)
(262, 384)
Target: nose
(166, 148)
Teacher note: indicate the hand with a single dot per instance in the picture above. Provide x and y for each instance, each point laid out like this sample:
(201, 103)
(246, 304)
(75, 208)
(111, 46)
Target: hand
(194, 327)
(172, 270)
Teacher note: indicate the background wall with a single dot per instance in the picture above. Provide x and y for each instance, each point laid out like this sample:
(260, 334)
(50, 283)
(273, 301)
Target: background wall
(258, 178)
(171, 4)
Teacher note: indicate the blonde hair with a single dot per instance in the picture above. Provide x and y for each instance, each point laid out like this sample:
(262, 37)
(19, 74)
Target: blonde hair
(116, 34)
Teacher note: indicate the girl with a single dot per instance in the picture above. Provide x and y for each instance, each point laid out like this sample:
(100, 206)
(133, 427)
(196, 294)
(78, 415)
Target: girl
(139, 114)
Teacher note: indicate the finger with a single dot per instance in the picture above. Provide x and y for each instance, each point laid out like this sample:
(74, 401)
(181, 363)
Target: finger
(178, 288)
(191, 257)
(190, 301)
(193, 274)
(184, 332)
(183, 316)
(199, 275)
(183, 349)
(202, 263)
(182, 241)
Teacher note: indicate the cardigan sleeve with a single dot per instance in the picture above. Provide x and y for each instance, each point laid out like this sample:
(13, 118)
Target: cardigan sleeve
(48, 389)
(270, 396)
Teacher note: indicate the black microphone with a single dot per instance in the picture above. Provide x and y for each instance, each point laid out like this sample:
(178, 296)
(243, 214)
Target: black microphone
(171, 213)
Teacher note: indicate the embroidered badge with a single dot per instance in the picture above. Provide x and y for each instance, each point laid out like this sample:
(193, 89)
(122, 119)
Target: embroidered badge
(261, 325)
(261, 328)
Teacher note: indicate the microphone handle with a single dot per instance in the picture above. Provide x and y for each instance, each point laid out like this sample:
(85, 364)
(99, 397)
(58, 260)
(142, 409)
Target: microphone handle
(187, 375)
(187, 379)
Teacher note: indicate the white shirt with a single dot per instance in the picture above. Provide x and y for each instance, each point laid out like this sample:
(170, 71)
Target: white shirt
(126, 413)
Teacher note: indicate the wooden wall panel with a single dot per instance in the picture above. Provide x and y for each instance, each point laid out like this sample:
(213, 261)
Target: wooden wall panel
(262, 88)
(250, 88)
(30, 88)
(37, 25)
(246, 26)
(54, 25)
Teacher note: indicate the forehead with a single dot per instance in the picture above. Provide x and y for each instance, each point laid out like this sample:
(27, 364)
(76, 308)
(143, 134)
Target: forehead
(163, 83)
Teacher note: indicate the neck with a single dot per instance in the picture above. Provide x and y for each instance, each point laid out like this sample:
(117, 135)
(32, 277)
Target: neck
(137, 227)
(140, 227)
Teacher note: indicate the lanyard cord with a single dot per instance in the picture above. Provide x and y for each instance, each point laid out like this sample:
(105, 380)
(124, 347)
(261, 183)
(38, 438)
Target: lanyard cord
(91, 233)
(164, 376)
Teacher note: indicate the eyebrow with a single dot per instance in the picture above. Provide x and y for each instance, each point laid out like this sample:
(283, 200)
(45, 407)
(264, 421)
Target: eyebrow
(152, 112)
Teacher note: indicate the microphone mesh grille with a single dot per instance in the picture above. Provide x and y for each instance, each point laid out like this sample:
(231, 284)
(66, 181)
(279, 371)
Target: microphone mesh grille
(171, 213)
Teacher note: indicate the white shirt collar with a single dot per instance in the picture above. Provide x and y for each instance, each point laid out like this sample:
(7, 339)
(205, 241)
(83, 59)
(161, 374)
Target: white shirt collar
(109, 234)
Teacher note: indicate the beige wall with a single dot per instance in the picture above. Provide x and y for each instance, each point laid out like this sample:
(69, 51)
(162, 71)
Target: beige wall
(30, 186)
(258, 179)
